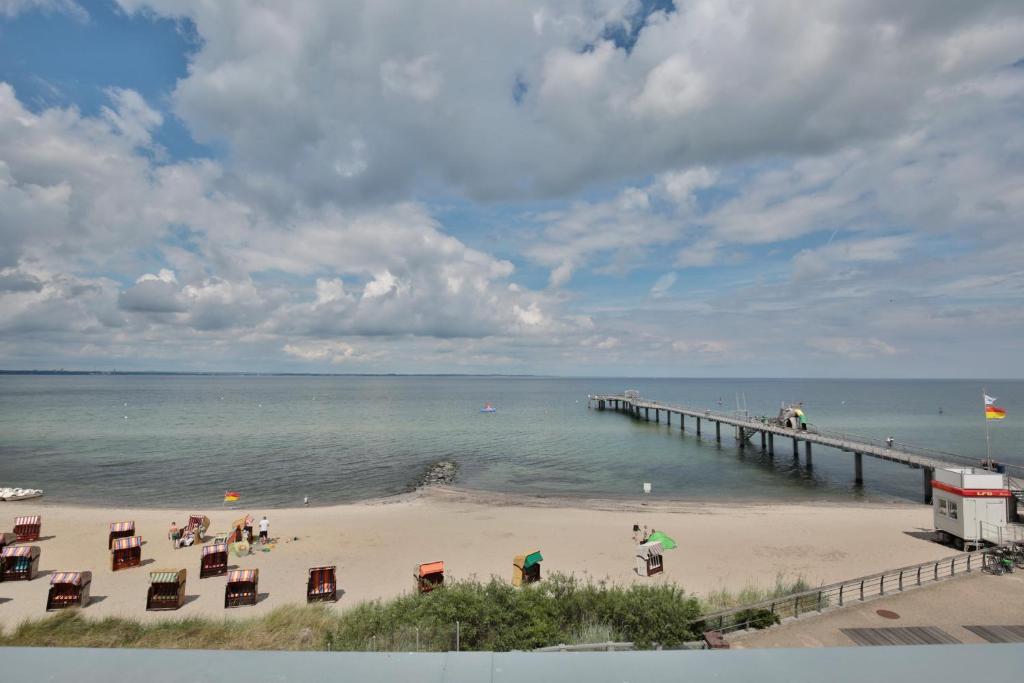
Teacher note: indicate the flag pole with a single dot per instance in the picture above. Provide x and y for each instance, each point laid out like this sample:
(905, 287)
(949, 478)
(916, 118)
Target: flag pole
(988, 440)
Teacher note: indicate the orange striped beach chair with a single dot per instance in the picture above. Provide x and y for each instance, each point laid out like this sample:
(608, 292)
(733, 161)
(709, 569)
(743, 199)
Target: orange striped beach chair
(68, 589)
(242, 586)
(126, 553)
(322, 585)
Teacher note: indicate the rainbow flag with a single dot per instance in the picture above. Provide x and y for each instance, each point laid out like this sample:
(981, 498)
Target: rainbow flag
(992, 411)
(231, 496)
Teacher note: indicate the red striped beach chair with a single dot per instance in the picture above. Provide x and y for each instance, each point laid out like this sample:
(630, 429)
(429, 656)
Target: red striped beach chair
(120, 530)
(126, 553)
(197, 526)
(166, 589)
(28, 528)
(323, 585)
(214, 561)
(429, 576)
(19, 562)
(6, 539)
(242, 587)
(68, 589)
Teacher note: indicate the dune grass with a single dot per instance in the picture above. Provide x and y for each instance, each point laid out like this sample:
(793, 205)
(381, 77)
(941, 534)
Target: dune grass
(490, 616)
(753, 593)
(286, 628)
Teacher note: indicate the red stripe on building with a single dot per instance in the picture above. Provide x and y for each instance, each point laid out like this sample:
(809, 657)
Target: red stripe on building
(971, 493)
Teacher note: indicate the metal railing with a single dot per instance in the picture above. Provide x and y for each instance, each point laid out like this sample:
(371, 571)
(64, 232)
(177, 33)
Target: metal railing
(842, 594)
(610, 646)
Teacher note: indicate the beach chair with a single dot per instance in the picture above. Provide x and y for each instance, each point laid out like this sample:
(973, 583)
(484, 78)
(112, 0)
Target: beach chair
(126, 553)
(68, 589)
(28, 528)
(166, 589)
(214, 560)
(322, 585)
(429, 576)
(6, 539)
(242, 587)
(120, 530)
(241, 530)
(526, 568)
(19, 562)
(197, 525)
(649, 559)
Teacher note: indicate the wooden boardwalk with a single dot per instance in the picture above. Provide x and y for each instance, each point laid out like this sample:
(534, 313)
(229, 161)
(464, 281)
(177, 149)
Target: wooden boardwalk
(747, 427)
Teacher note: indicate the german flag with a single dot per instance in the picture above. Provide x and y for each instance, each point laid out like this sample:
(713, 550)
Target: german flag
(992, 411)
(231, 496)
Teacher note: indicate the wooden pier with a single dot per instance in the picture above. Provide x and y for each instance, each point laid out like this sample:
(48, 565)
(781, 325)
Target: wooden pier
(747, 428)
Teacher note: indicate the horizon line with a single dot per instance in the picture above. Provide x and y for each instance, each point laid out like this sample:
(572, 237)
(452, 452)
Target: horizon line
(257, 373)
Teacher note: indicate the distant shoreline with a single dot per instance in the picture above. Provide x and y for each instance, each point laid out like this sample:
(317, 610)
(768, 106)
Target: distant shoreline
(250, 373)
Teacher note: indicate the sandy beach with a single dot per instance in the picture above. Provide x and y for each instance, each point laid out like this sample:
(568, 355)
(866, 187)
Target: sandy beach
(376, 544)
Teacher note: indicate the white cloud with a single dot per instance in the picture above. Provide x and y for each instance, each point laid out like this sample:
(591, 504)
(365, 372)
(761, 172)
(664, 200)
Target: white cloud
(852, 347)
(290, 88)
(12, 8)
(336, 352)
(416, 78)
(131, 116)
(663, 284)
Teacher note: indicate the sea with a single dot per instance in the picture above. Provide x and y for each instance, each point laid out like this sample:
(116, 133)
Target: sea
(183, 440)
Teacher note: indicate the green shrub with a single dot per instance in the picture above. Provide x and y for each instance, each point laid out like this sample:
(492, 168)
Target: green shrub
(756, 618)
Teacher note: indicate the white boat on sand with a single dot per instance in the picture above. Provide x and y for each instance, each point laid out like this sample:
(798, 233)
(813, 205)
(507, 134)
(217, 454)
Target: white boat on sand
(12, 494)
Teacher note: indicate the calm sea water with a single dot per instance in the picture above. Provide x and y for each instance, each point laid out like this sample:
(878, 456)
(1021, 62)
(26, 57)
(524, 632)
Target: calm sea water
(184, 440)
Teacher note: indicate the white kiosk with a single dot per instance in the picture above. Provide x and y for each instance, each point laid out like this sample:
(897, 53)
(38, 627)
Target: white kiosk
(969, 504)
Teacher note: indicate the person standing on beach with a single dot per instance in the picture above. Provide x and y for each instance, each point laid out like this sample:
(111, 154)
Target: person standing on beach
(264, 530)
(174, 534)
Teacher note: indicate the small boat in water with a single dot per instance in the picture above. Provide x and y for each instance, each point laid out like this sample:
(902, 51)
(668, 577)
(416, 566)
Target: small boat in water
(12, 494)
(488, 408)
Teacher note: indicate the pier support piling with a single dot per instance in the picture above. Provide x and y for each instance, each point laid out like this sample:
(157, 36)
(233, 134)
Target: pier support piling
(771, 445)
(647, 414)
(718, 431)
(807, 454)
(698, 426)
(763, 445)
(796, 446)
(668, 418)
(741, 434)
(858, 469)
(929, 474)
(657, 415)
(682, 422)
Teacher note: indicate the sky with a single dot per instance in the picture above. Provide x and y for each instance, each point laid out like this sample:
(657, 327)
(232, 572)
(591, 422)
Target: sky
(755, 188)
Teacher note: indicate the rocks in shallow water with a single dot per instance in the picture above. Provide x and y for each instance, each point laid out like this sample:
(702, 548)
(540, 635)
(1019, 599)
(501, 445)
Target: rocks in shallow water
(440, 473)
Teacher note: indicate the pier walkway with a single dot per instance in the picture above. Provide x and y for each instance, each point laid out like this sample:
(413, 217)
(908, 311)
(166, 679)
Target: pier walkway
(747, 427)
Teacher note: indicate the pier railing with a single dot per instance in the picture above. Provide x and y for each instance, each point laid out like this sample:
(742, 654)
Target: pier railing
(916, 456)
(842, 594)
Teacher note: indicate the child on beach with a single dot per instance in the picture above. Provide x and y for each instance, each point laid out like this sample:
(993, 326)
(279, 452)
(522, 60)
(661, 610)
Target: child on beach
(174, 534)
(264, 530)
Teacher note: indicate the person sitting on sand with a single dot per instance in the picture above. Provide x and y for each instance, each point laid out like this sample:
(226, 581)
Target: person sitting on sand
(174, 534)
(264, 530)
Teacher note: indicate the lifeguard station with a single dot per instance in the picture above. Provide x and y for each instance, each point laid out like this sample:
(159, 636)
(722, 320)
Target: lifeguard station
(970, 507)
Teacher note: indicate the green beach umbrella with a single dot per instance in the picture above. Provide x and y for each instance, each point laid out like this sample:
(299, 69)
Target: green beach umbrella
(666, 542)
